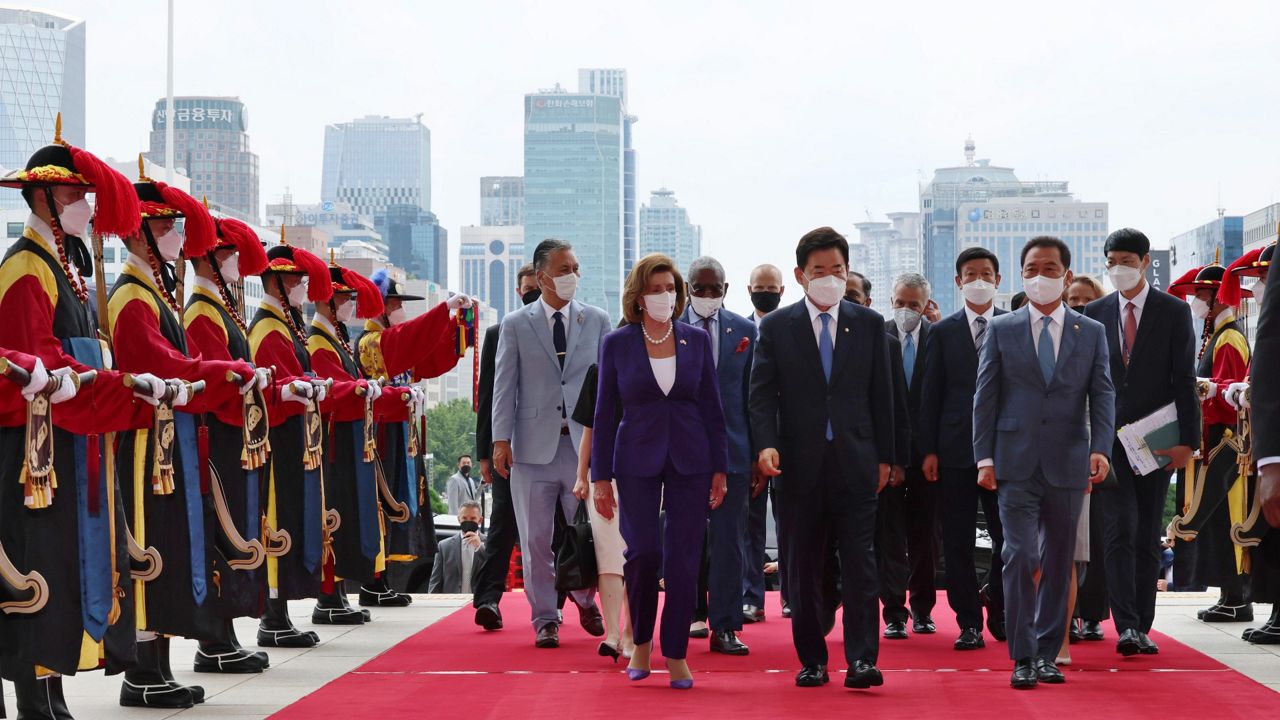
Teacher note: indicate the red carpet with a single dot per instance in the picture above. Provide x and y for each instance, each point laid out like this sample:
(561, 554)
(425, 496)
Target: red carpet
(455, 668)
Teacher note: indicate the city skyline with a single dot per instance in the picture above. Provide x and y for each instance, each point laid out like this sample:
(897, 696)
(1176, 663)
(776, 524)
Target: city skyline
(730, 126)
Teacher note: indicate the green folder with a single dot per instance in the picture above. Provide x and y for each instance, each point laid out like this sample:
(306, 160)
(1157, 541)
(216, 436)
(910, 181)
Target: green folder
(1163, 438)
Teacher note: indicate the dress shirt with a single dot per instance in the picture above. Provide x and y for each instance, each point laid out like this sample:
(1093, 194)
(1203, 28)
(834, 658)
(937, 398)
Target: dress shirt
(816, 322)
(915, 336)
(468, 559)
(1138, 302)
(971, 315)
(1058, 316)
(551, 321)
(713, 329)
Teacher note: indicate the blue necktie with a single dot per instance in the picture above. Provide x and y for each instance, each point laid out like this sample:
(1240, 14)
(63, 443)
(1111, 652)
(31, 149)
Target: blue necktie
(825, 351)
(909, 358)
(1045, 351)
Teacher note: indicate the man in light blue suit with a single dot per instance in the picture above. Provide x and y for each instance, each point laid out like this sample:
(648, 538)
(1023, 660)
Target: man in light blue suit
(1042, 431)
(544, 350)
(732, 346)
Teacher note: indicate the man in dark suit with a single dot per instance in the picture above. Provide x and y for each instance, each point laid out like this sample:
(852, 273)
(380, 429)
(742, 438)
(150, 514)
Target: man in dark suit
(1265, 414)
(454, 569)
(732, 345)
(906, 538)
(1152, 364)
(490, 578)
(821, 411)
(946, 442)
(1042, 431)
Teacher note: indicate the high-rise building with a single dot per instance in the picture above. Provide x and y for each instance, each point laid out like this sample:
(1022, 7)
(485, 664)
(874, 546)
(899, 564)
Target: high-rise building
(41, 74)
(573, 185)
(665, 228)
(982, 204)
(501, 200)
(348, 233)
(1222, 238)
(613, 82)
(211, 146)
(491, 257)
(416, 241)
(892, 248)
(375, 162)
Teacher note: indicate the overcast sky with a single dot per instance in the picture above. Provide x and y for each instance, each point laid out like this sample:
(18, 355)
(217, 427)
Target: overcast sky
(765, 120)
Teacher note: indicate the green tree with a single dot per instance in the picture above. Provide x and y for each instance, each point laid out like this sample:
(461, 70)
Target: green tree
(451, 431)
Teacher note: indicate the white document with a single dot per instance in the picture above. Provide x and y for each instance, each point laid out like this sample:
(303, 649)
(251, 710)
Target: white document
(1133, 439)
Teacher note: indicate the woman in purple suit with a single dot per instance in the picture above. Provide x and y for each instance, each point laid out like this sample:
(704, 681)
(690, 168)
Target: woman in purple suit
(667, 452)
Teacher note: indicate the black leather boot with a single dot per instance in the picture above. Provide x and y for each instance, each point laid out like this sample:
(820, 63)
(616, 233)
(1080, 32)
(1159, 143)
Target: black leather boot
(377, 594)
(235, 642)
(166, 671)
(219, 655)
(277, 630)
(333, 609)
(146, 686)
(41, 698)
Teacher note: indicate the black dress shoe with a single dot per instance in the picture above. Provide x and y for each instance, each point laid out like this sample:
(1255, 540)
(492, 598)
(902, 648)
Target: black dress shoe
(970, 639)
(1129, 643)
(895, 631)
(1093, 631)
(863, 675)
(923, 625)
(1228, 613)
(1146, 645)
(548, 636)
(786, 612)
(591, 620)
(489, 617)
(995, 625)
(752, 614)
(1047, 672)
(812, 676)
(726, 642)
(1024, 675)
(1075, 633)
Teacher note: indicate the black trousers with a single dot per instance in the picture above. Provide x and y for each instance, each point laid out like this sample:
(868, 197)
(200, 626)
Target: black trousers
(489, 579)
(907, 547)
(811, 511)
(959, 497)
(1091, 598)
(1132, 512)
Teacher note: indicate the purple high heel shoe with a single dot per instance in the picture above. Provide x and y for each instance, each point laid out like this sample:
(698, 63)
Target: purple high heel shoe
(633, 674)
(682, 684)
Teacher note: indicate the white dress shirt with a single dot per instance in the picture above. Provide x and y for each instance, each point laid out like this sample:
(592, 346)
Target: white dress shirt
(972, 316)
(551, 321)
(1138, 302)
(814, 312)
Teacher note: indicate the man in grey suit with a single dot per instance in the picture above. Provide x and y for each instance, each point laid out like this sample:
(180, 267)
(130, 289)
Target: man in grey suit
(456, 559)
(1043, 421)
(544, 350)
(461, 487)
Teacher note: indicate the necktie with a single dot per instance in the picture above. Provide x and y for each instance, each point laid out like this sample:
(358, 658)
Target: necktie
(1130, 333)
(715, 346)
(825, 352)
(981, 334)
(1045, 351)
(909, 358)
(558, 337)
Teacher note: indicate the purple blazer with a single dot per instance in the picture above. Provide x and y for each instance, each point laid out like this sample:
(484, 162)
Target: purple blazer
(686, 426)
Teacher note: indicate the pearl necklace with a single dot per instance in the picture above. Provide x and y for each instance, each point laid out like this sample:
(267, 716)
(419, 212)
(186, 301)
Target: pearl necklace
(670, 326)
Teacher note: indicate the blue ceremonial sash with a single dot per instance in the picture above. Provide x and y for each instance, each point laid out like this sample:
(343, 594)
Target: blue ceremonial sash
(253, 519)
(410, 471)
(312, 520)
(96, 543)
(366, 496)
(185, 425)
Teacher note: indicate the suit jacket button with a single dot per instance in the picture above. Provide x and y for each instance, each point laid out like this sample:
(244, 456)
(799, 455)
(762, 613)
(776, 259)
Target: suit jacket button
(561, 382)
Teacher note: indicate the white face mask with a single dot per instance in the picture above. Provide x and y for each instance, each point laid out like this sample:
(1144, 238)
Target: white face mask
(170, 245)
(1043, 290)
(346, 311)
(978, 292)
(1258, 288)
(298, 295)
(566, 286)
(1123, 277)
(906, 319)
(827, 290)
(397, 316)
(1199, 308)
(706, 307)
(660, 306)
(74, 218)
(230, 269)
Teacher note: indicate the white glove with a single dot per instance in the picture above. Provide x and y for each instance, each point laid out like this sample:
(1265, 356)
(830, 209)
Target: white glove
(67, 388)
(1235, 397)
(183, 395)
(322, 392)
(1212, 387)
(156, 385)
(458, 300)
(39, 379)
(297, 391)
(373, 391)
(259, 380)
(418, 397)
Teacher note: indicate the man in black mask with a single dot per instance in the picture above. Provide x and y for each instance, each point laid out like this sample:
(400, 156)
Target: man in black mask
(455, 565)
(461, 486)
(766, 291)
(491, 571)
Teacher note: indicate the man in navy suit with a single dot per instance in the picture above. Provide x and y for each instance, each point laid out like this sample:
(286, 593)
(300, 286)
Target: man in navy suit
(946, 442)
(732, 346)
(1042, 431)
(906, 537)
(821, 405)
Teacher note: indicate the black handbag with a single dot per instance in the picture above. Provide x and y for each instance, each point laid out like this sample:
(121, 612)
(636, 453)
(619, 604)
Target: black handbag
(576, 556)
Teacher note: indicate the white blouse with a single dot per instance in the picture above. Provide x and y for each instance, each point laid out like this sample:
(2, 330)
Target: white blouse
(664, 371)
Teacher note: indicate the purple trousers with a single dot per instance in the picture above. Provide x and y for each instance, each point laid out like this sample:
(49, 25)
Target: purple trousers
(640, 499)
